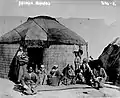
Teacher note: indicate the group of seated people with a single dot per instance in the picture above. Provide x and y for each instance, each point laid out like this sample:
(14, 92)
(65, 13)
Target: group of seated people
(68, 76)
(31, 79)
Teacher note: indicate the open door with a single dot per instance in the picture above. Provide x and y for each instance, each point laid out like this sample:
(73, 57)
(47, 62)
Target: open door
(35, 56)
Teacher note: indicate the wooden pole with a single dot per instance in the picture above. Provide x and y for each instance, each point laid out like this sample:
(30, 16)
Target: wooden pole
(87, 49)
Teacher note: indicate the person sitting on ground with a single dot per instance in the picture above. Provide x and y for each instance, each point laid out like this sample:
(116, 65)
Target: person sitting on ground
(79, 75)
(87, 72)
(100, 75)
(69, 75)
(30, 81)
(54, 77)
(78, 70)
(42, 74)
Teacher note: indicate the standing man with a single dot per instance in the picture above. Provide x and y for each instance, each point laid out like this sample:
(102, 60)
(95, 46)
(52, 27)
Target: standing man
(22, 61)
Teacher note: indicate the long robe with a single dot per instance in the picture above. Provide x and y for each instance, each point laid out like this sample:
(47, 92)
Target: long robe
(14, 70)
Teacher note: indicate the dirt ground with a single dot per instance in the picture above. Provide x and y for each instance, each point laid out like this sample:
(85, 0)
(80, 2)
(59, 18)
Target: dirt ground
(72, 91)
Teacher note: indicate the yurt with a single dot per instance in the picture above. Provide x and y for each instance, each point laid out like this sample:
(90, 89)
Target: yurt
(48, 42)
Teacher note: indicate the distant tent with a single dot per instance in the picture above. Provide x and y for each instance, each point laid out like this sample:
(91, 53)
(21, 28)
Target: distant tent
(47, 40)
(111, 59)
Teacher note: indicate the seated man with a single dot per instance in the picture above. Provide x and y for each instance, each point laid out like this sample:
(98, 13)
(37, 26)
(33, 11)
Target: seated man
(54, 77)
(30, 81)
(42, 75)
(87, 72)
(69, 75)
(79, 75)
(100, 75)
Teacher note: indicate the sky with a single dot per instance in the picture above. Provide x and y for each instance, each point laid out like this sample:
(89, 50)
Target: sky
(97, 33)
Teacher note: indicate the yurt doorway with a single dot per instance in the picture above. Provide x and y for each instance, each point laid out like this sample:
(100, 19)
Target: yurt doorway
(35, 56)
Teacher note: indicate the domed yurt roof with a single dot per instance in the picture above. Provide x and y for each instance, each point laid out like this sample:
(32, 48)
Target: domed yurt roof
(42, 28)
